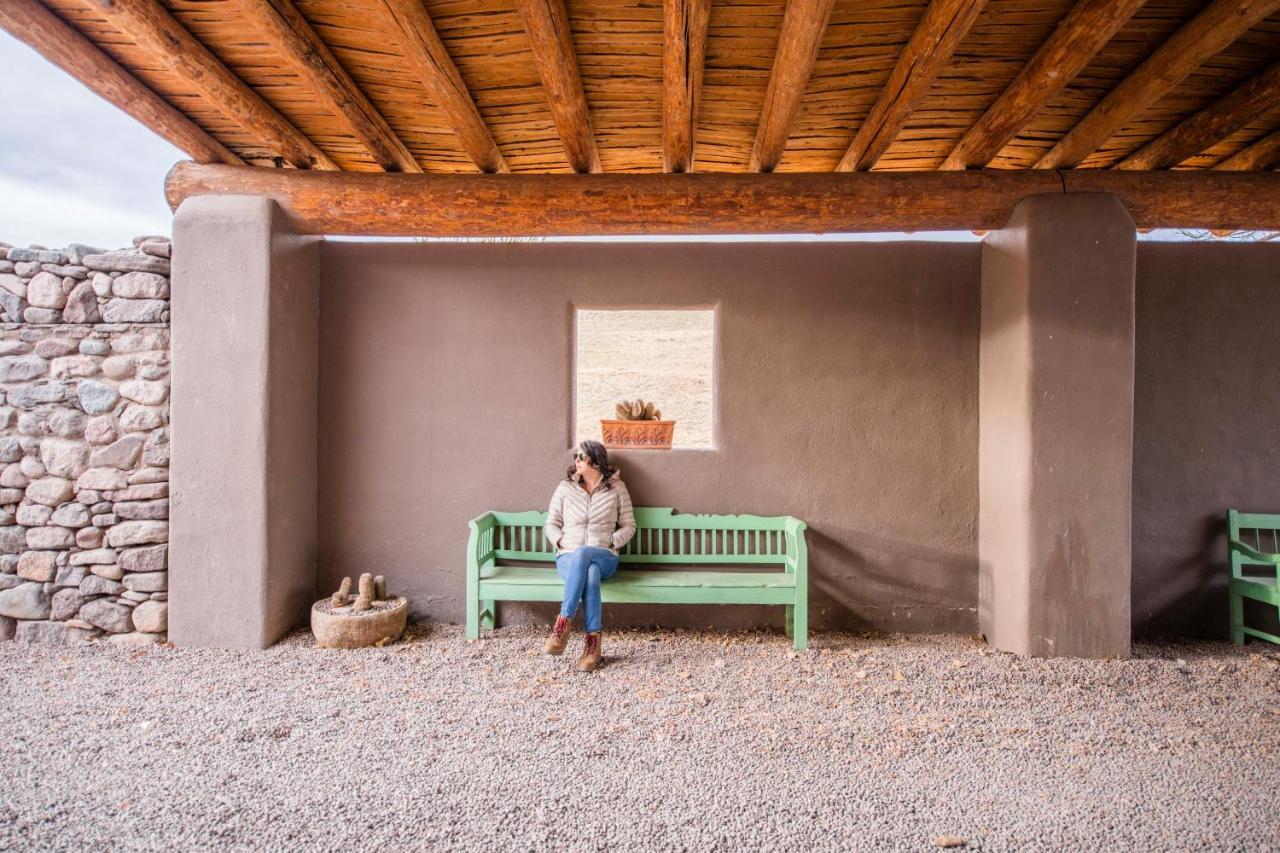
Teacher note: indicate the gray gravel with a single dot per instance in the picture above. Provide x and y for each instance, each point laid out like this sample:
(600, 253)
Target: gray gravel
(682, 741)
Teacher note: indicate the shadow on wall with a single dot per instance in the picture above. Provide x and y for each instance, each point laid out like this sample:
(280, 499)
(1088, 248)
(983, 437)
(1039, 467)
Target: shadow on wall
(1205, 424)
(850, 584)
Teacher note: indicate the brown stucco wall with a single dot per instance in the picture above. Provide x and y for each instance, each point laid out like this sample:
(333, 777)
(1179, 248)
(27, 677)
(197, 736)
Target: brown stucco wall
(846, 394)
(243, 478)
(1055, 443)
(1206, 425)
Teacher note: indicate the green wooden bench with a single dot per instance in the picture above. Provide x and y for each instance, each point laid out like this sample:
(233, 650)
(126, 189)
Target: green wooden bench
(663, 538)
(1264, 532)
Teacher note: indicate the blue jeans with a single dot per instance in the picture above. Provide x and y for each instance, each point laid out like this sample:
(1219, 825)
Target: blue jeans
(582, 571)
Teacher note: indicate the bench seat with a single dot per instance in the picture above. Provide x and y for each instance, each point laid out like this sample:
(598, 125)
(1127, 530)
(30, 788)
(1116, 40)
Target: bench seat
(686, 543)
(656, 586)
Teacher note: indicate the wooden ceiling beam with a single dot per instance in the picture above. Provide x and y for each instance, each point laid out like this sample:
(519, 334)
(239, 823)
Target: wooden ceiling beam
(1211, 125)
(1208, 33)
(57, 41)
(684, 47)
(803, 24)
(1079, 36)
(1263, 153)
(284, 29)
(547, 24)
(152, 28)
(711, 203)
(943, 26)
(411, 26)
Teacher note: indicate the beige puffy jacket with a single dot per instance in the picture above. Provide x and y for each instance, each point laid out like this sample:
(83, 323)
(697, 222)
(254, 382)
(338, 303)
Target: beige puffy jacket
(601, 519)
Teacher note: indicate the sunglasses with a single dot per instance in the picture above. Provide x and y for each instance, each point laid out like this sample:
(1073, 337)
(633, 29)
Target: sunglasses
(579, 456)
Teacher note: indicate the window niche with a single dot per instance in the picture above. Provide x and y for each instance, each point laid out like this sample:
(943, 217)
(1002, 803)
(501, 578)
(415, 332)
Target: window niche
(663, 356)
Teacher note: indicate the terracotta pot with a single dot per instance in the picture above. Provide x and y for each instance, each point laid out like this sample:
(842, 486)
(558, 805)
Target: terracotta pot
(344, 628)
(638, 435)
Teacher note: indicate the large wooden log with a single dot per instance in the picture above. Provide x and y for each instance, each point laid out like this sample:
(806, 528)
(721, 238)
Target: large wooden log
(684, 45)
(30, 22)
(942, 27)
(1260, 154)
(547, 24)
(412, 27)
(288, 34)
(556, 205)
(1211, 125)
(152, 27)
(803, 24)
(1079, 36)
(1217, 26)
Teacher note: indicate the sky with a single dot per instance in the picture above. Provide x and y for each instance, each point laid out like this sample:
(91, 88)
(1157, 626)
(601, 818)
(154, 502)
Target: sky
(75, 169)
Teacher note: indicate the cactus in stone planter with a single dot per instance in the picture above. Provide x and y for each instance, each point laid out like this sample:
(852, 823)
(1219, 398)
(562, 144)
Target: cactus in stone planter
(367, 595)
(637, 410)
(373, 618)
(371, 590)
(340, 597)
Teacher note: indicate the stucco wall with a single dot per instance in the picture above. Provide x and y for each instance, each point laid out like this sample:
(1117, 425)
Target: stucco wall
(846, 394)
(1206, 425)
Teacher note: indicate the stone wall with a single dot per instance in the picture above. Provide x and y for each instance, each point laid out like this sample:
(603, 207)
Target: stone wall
(84, 442)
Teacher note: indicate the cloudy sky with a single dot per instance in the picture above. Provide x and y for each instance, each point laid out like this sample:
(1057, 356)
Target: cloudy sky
(73, 168)
(76, 169)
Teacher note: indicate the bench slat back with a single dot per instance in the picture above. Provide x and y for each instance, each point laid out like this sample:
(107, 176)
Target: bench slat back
(1259, 531)
(663, 536)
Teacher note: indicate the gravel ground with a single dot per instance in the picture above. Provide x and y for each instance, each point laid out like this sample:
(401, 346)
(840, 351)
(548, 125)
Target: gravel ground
(682, 741)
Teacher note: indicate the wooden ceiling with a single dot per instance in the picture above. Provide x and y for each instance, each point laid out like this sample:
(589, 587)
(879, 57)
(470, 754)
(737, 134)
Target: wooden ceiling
(623, 86)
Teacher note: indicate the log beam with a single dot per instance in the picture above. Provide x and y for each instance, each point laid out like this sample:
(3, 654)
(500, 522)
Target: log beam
(1263, 153)
(684, 46)
(803, 24)
(547, 24)
(1211, 125)
(57, 41)
(288, 34)
(1208, 33)
(556, 205)
(411, 26)
(152, 28)
(1079, 36)
(943, 26)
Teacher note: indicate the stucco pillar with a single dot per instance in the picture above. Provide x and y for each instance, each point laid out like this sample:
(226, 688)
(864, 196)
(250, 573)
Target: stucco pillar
(1056, 428)
(242, 476)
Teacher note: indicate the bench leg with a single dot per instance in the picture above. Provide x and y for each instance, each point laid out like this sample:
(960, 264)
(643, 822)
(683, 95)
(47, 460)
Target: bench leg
(800, 625)
(789, 625)
(1237, 617)
(488, 615)
(473, 618)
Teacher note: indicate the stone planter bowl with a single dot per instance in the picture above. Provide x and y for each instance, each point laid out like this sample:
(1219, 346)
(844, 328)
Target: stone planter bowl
(637, 435)
(346, 629)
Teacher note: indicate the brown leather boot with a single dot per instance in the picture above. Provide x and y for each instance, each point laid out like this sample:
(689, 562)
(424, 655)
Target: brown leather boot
(559, 637)
(590, 652)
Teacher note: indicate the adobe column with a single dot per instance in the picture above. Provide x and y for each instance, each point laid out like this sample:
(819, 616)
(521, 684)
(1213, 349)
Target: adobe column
(1055, 447)
(245, 328)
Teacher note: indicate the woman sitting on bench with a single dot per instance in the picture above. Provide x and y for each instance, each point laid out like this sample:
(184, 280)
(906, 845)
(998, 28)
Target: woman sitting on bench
(589, 520)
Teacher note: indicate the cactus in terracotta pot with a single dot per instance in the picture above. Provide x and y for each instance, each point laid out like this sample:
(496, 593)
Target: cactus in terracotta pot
(637, 410)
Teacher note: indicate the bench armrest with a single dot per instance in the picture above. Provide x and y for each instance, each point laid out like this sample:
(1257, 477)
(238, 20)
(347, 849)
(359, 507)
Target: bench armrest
(1254, 554)
(797, 559)
(480, 542)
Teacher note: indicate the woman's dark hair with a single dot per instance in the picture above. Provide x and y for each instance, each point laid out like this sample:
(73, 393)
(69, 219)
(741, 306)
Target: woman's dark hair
(599, 458)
